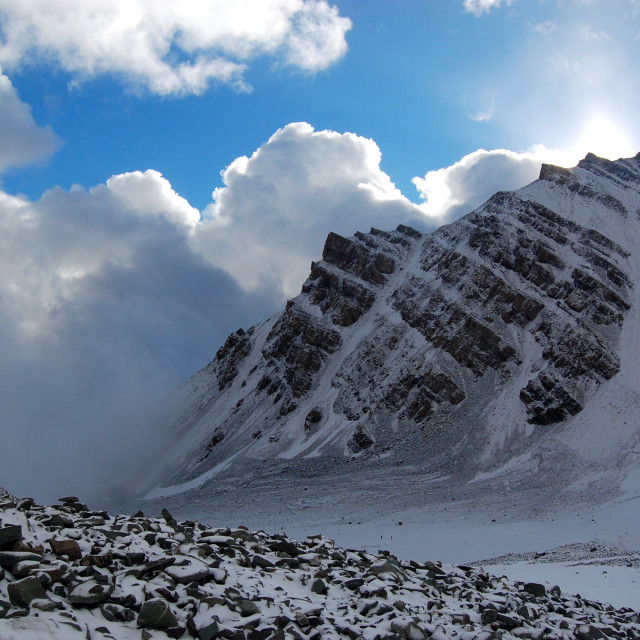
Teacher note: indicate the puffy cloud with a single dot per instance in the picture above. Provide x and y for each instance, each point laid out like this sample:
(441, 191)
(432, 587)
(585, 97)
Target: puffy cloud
(170, 47)
(104, 308)
(276, 208)
(454, 191)
(23, 141)
(149, 193)
(478, 7)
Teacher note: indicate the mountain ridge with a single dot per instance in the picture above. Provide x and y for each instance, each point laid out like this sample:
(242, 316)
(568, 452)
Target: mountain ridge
(453, 352)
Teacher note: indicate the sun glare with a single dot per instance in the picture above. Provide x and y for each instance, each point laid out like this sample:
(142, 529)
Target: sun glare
(605, 139)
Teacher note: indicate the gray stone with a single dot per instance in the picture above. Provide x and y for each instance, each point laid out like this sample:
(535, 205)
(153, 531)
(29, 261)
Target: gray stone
(535, 589)
(156, 565)
(10, 559)
(90, 593)
(209, 632)
(59, 520)
(260, 562)
(409, 630)
(489, 616)
(353, 584)
(285, 547)
(388, 566)
(247, 608)
(156, 614)
(588, 632)
(68, 548)
(24, 569)
(190, 573)
(115, 612)
(25, 504)
(219, 575)
(22, 592)
(44, 605)
(319, 587)
(9, 535)
(77, 507)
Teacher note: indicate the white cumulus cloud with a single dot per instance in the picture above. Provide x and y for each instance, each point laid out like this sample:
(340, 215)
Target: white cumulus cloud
(276, 208)
(104, 308)
(453, 191)
(23, 140)
(171, 47)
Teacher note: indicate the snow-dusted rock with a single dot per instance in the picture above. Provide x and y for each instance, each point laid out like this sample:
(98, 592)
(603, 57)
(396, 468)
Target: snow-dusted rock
(329, 593)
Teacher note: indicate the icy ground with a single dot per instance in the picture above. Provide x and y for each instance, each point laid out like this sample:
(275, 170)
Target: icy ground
(431, 518)
(69, 573)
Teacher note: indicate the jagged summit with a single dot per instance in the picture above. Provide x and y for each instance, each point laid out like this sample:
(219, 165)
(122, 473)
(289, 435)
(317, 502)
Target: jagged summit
(452, 352)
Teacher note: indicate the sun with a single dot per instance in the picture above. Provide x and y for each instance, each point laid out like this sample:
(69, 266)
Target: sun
(604, 138)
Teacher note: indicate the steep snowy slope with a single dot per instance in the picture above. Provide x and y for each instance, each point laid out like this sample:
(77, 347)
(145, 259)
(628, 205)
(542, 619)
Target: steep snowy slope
(499, 349)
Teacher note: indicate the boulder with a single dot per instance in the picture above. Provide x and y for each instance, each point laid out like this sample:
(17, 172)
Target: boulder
(535, 589)
(9, 535)
(115, 612)
(25, 504)
(353, 584)
(24, 569)
(409, 630)
(209, 632)
(388, 566)
(22, 592)
(247, 608)
(59, 520)
(319, 587)
(192, 572)
(68, 548)
(10, 559)
(44, 605)
(261, 562)
(156, 614)
(90, 593)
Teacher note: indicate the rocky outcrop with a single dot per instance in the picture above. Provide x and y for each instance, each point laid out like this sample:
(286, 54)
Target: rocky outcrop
(150, 577)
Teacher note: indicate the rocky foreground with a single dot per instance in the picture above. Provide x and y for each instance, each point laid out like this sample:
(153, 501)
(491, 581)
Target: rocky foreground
(68, 572)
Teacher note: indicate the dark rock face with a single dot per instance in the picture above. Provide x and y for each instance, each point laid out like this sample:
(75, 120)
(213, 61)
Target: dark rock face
(301, 346)
(359, 257)
(405, 337)
(234, 350)
(345, 299)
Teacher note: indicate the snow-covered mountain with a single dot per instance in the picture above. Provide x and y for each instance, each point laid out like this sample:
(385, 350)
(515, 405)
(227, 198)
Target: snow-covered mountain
(502, 348)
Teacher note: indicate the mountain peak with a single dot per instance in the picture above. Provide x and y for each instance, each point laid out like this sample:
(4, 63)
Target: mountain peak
(453, 352)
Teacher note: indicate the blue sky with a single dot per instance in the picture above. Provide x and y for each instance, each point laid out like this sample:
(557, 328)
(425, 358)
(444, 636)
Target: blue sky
(169, 170)
(412, 76)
